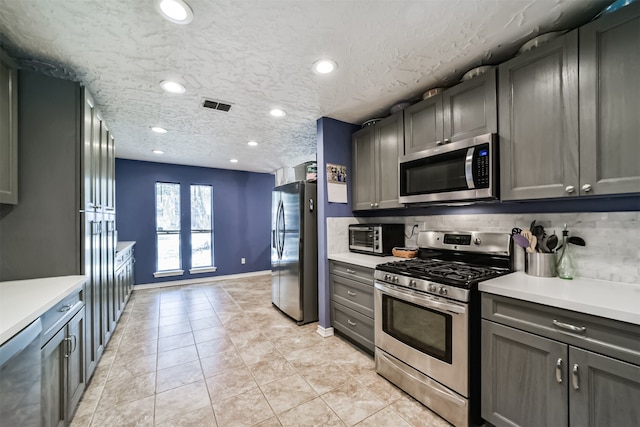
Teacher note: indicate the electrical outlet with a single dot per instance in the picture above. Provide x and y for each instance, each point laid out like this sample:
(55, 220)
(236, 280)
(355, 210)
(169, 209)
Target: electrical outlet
(243, 261)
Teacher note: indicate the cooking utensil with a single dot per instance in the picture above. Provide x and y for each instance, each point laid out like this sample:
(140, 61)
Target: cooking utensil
(552, 242)
(533, 242)
(538, 231)
(533, 224)
(520, 240)
(578, 241)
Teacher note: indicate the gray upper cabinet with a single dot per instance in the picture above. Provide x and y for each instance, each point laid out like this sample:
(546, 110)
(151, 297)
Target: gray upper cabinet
(470, 108)
(376, 149)
(569, 113)
(363, 186)
(423, 125)
(8, 131)
(463, 111)
(610, 102)
(539, 121)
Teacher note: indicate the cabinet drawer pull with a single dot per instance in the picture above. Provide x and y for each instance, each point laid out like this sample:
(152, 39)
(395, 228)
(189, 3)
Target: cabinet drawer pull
(574, 377)
(351, 323)
(559, 371)
(65, 307)
(75, 343)
(351, 294)
(569, 327)
(351, 271)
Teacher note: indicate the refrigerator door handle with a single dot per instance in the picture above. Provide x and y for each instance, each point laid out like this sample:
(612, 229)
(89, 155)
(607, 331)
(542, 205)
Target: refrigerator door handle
(283, 230)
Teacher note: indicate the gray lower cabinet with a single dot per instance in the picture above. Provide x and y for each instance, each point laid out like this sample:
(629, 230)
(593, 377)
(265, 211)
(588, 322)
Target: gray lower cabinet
(351, 288)
(63, 371)
(463, 111)
(569, 113)
(375, 150)
(8, 131)
(123, 278)
(550, 367)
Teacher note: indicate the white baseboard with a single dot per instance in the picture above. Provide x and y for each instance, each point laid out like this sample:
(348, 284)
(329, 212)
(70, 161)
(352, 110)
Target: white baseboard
(324, 332)
(200, 280)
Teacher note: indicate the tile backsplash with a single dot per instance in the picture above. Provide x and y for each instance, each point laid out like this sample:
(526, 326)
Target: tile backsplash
(613, 238)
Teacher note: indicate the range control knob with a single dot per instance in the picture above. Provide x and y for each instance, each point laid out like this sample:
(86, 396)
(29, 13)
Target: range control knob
(395, 279)
(432, 288)
(443, 290)
(477, 241)
(412, 283)
(387, 277)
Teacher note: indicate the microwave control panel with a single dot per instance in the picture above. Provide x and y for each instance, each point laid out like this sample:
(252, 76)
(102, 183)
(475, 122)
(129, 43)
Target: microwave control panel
(481, 173)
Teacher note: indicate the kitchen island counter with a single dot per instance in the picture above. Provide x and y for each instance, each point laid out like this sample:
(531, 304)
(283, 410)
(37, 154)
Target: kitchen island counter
(23, 301)
(612, 300)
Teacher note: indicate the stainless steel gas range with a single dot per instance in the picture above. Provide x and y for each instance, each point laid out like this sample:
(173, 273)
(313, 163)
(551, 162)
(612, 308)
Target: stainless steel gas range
(427, 319)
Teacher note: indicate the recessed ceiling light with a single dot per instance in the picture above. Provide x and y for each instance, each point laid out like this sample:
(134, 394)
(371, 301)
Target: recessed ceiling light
(158, 152)
(176, 11)
(157, 129)
(172, 87)
(276, 112)
(252, 143)
(234, 160)
(324, 66)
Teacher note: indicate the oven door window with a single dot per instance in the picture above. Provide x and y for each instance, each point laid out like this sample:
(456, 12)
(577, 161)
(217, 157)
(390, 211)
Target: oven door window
(362, 238)
(426, 330)
(437, 174)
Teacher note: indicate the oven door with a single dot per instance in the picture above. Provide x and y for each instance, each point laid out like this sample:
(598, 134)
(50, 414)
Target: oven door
(362, 239)
(427, 333)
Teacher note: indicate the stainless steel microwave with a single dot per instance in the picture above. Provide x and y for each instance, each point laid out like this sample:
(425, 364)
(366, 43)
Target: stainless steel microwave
(460, 170)
(375, 239)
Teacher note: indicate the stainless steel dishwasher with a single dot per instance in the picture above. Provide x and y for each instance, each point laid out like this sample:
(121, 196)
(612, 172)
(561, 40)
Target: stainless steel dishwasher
(20, 374)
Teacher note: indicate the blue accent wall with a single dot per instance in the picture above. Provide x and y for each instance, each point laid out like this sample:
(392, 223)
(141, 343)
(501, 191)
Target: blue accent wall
(334, 146)
(241, 216)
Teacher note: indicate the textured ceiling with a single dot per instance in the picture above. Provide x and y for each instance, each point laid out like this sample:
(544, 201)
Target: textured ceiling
(256, 55)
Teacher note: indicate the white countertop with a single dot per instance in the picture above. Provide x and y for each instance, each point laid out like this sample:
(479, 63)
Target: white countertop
(363, 260)
(121, 246)
(619, 301)
(23, 301)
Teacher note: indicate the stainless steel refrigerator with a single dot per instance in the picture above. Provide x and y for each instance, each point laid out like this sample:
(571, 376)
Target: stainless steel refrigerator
(294, 251)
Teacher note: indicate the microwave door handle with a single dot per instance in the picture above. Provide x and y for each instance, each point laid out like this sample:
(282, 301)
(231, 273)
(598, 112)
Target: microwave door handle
(468, 169)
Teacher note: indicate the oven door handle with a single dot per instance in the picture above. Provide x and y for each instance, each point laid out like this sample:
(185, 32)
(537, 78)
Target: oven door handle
(424, 301)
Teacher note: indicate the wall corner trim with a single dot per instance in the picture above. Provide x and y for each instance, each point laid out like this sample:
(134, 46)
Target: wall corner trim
(324, 332)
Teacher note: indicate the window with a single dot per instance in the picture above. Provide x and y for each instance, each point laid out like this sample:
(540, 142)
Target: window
(201, 226)
(168, 228)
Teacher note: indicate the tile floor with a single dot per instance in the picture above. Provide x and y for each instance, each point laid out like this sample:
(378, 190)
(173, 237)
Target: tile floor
(219, 354)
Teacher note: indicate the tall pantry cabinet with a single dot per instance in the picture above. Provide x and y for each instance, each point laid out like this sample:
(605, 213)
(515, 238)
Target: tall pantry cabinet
(64, 223)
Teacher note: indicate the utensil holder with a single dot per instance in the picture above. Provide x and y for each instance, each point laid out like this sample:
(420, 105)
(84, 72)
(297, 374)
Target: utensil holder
(541, 264)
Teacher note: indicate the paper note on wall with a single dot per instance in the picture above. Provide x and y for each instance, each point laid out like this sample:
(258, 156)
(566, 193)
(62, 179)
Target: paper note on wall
(336, 183)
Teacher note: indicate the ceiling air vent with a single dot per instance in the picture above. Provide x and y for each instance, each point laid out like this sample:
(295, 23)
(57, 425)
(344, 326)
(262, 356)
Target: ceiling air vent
(216, 105)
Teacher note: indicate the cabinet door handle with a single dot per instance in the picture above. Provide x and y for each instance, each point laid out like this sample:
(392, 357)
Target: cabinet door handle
(569, 327)
(438, 142)
(67, 351)
(559, 371)
(351, 271)
(586, 188)
(75, 343)
(570, 189)
(371, 204)
(354, 323)
(574, 377)
(351, 294)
